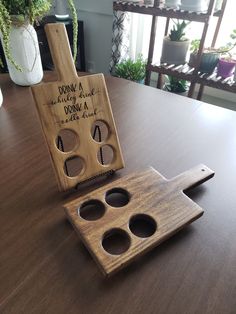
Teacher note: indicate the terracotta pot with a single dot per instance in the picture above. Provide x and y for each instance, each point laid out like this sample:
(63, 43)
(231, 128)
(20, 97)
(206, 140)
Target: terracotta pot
(174, 52)
(208, 63)
(226, 67)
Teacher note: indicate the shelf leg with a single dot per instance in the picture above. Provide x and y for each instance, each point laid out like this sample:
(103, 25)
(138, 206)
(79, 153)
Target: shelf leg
(160, 81)
(167, 26)
(200, 92)
(151, 49)
(191, 90)
(219, 23)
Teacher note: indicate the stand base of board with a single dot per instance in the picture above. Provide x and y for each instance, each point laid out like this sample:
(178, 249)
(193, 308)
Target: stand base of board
(128, 217)
(102, 175)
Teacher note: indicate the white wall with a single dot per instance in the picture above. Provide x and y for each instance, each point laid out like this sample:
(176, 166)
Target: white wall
(95, 6)
(97, 16)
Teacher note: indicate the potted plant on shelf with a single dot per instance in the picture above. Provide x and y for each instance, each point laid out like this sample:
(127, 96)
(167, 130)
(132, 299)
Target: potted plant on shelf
(172, 3)
(19, 38)
(227, 63)
(133, 70)
(209, 58)
(175, 85)
(175, 46)
(194, 5)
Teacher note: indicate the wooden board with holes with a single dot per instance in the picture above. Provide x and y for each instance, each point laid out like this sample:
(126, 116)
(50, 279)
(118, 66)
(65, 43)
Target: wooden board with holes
(128, 217)
(75, 103)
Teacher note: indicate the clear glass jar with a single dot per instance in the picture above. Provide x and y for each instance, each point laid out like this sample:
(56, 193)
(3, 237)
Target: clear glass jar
(24, 49)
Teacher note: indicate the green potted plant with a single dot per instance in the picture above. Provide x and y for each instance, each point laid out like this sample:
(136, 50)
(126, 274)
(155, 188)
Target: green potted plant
(133, 70)
(227, 63)
(209, 58)
(19, 38)
(175, 45)
(175, 85)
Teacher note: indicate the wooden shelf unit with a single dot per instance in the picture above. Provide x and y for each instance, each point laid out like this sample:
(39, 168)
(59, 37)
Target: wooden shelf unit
(161, 10)
(186, 72)
(181, 71)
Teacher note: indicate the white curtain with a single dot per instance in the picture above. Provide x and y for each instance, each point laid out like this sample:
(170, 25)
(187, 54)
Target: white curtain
(121, 38)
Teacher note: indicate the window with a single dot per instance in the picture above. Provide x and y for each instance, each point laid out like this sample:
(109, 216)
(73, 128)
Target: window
(141, 28)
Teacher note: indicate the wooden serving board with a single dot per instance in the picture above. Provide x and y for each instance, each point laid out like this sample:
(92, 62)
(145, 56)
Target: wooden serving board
(75, 103)
(149, 210)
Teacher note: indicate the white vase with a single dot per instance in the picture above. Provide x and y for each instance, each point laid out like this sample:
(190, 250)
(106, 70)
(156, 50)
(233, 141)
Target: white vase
(25, 52)
(174, 52)
(61, 10)
(172, 3)
(1, 98)
(149, 2)
(194, 5)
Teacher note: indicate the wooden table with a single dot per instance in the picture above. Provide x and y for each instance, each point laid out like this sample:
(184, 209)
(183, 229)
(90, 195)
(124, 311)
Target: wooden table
(44, 268)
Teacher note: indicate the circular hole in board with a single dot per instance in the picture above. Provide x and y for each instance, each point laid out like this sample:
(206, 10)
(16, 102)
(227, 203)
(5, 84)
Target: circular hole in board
(66, 140)
(117, 197)
(116, 241)
(142, 225)
(105, 155)
(73, 166)
(92, 210)
(99, 131)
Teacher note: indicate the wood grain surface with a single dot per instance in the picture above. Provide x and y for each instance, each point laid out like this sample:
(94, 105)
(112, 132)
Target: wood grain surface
(154, 199)
(44, 267)
(75, 103)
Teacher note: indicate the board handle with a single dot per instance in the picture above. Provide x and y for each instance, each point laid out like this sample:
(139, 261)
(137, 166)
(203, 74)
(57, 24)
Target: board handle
(60, 51)
(193, 177)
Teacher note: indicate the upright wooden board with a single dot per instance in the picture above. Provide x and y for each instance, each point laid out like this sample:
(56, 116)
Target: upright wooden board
(153, 210)
(75, 103)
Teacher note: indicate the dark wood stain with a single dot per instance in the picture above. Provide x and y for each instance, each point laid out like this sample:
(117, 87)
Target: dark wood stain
(44, 268)
(159, 199)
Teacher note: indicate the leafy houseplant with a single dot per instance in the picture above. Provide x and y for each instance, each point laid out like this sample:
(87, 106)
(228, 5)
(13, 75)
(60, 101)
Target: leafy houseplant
(132, 70)
(175, 46)
(227, 63)
(209, 58)
(175, 85)
(19, 38)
